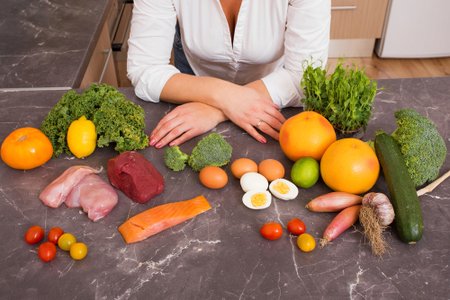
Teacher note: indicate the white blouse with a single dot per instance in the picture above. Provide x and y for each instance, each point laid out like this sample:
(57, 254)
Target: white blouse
(272, 41)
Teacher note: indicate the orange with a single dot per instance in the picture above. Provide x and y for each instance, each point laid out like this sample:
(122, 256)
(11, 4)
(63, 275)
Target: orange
(306, 134)
(350, 165)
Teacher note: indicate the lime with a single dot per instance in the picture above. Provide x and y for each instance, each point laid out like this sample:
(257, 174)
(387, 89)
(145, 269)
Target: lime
(305, 172)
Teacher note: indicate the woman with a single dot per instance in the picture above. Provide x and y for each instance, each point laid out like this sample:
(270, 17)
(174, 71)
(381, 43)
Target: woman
(247, 57)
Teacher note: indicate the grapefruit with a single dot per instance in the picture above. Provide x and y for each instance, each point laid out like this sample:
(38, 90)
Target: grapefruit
(307, 134)
(350, 165)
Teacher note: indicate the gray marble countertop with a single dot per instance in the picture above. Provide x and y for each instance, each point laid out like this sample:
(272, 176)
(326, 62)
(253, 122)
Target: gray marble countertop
(48, 43)
(219, 254)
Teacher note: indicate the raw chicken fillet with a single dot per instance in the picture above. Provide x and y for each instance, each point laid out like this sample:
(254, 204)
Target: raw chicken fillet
(80, 186)
(95, 196)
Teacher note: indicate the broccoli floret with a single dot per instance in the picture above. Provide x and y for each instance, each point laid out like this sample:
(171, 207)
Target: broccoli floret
(175, 159)
(212, 150)
(422, 146)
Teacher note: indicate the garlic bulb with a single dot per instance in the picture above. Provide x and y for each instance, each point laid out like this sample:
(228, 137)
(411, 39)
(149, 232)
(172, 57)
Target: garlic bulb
(382, 206)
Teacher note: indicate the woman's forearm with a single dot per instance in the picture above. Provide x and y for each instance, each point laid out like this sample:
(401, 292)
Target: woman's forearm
(250, 107)
(260, 87)
(182, 88)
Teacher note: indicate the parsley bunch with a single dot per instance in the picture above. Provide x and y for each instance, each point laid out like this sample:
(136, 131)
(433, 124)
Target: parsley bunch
(344, 97)
(117, 120)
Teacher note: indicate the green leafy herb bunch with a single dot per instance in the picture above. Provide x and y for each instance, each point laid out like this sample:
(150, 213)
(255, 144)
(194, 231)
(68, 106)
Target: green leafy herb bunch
(345, 97)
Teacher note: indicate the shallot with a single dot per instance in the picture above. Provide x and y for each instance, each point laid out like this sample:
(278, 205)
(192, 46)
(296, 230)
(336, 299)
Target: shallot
(343, 221)
(332, 202)
(376, 214)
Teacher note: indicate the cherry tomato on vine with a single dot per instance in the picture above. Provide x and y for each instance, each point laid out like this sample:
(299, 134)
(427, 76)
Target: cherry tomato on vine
(271, 231)
(34, 235)
(47, 251)
(54, 234)
(296, 226)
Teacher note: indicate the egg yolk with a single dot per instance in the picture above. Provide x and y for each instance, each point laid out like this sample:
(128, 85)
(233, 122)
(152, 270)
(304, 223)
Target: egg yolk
(281, 187)
(258, 199)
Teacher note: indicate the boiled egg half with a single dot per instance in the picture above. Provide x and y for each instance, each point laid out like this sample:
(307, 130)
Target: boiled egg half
(257, 199)
(283, 189)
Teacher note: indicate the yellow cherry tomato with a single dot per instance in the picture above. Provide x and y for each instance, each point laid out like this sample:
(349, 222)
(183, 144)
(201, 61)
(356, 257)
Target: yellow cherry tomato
(306, 242)
(82, 137)
(78, 251)
(66, 240)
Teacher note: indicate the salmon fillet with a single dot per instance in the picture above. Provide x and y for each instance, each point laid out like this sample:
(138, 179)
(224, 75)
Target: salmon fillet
(159, 218)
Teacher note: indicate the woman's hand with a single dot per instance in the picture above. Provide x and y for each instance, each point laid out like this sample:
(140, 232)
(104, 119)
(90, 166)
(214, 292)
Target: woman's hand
(185, 122)
(252, 111)
(249, 107)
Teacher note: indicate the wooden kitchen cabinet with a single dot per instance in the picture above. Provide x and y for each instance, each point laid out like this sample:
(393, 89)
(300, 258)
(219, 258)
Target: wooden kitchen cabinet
(120, 45)
(101, 66)
(355, 24)
(357, 19)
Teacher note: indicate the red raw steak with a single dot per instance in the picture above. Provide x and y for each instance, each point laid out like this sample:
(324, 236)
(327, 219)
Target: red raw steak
(135, 176)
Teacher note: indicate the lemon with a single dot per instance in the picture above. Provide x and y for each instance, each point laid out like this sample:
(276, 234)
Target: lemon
(305, 172)
(82, 137)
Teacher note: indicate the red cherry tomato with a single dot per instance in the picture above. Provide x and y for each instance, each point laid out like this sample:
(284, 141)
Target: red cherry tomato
(34, 235)
(47, 251)
(54, 234)
(296, 226)
(271, 231)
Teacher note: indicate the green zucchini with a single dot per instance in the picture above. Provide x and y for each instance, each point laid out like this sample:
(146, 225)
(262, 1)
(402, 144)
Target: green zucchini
(403, 195)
